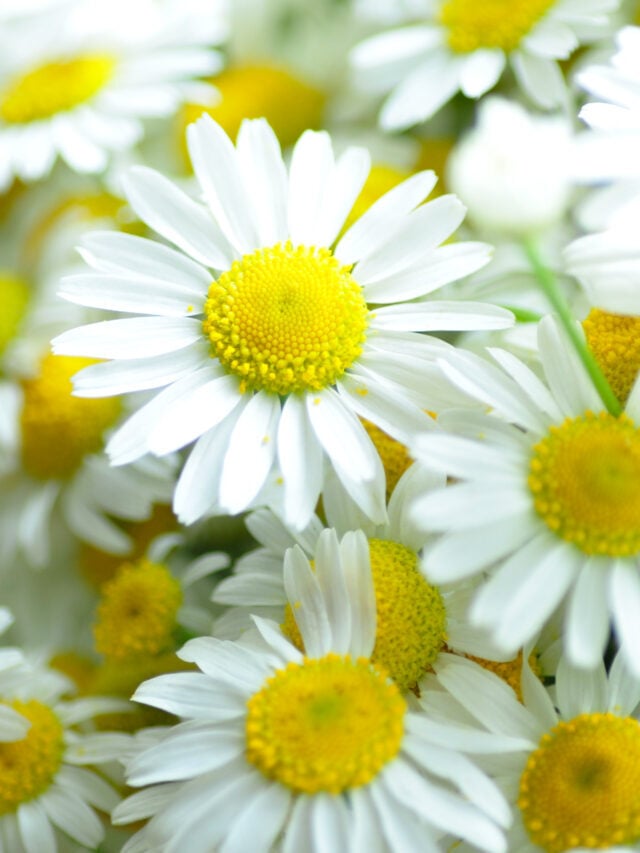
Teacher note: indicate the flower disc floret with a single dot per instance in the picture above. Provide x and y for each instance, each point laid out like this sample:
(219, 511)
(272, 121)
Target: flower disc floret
(286, 319)
(57, 429)
(614, 339)
(326, 724)
(585, 480)
(581, 786)
(54, 88)
(502, 24)
(28, 766)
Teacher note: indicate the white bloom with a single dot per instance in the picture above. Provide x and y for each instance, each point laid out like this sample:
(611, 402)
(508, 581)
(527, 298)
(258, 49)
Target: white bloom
(288, 350)
(464, 45)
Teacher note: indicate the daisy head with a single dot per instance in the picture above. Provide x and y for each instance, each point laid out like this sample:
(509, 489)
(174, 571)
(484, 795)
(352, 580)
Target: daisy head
(575, 786)
(464, 46)
(547, 501)
(268, 359)
(301, 742)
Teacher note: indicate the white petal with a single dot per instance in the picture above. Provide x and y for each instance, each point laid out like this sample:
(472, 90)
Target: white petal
(587, 617)
(441, 316)
(301, 460)
(310, 171)
(136, 337)
(481, 71)
(422, 93)
(580, 691)
(308, 604)
(624, 594)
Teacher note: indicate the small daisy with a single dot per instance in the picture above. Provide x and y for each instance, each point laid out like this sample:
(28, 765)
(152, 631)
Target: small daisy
(303, 752)
(51, 462)
(465, 45)
(548, 502)
(576, 786)
(83, 95)
(272, 357)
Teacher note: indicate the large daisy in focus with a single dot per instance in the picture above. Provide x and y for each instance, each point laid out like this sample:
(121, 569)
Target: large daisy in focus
(269, 359)
(465, 45)
(84, 94)
(547, 500)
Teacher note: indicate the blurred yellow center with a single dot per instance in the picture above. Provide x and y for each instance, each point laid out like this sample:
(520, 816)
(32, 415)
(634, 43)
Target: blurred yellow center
(59, 430)
(581, 786)
(394, 456)
(327, 724)
(54, 88)
(585, 480)
(614, 340)
(286, 319)
(14, 298)
(137, 614)
(502, 24)
(28, 766)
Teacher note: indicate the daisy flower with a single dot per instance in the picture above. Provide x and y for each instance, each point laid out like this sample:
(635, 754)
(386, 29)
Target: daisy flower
(303, 751)
(83, 95)
(547, 501)
(271, 357)
(51, 462)
(575, 786)
(464, 45)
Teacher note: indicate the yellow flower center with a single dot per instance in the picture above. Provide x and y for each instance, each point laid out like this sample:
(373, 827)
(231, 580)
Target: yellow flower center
(614, 340)
(286, 319)
(491, 23)
(14, 298)
(262, 91)
(28, 766)
(394, 456)
(585, 480)
(77, 667)
(137, 614)
(581, 786)
(59, 430)
(54, 88)
(328, 724)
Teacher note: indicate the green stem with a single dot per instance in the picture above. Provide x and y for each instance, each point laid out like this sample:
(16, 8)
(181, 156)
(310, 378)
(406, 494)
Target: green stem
(522, 315)
(559, 304)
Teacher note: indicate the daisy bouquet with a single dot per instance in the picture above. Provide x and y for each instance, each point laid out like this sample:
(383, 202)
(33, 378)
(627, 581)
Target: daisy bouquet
(319, 426)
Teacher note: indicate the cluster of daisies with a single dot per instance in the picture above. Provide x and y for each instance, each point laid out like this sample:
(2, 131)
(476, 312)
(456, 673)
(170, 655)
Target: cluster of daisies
(319, 426)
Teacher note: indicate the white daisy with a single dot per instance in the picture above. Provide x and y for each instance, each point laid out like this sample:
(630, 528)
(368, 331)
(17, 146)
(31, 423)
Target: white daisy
(548, 502)
(464, 45)
(575, 787)
(51, 462)
(271, 358)
(83, 95)
(304, 752)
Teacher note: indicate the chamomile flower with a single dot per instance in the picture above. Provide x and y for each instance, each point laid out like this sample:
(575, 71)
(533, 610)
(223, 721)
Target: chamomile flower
(300, 751)
(84, 94)
(547, 502)
(461, 45)
(52, 464)
(269, 358)
(575, 787)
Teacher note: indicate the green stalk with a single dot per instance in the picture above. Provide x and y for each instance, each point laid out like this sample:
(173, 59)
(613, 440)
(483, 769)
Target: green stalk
(558, 303)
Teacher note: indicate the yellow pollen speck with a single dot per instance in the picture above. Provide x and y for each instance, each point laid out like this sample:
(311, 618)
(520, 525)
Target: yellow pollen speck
(327, 724)
(614, 340)
(581, 786)
(510, 671)
(286, 319)
(54, 88)
(499, 24)
(59, 430)
(137, 614)
(584, 477)
(262, 91)
(393, 455)
(14, 299)
(28, 766)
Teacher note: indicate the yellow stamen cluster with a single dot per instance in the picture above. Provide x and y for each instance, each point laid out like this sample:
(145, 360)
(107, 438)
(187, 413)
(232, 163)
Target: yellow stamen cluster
(327, 724)
(54, 88)
(286, 319)
(59, 430)
(14, 298)
(614, 339)
(28, 766)
(510, 671)
(394, 456)
(581, 786)
(137, 613)
(585, 480)
(502, 24)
